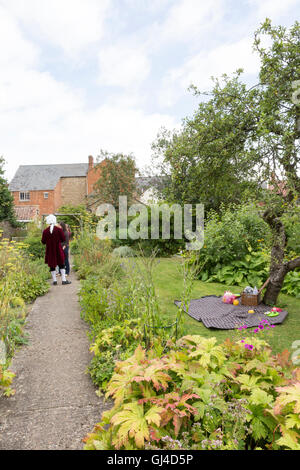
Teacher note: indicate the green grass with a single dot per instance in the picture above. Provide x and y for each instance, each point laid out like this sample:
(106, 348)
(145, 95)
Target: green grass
(168, 282)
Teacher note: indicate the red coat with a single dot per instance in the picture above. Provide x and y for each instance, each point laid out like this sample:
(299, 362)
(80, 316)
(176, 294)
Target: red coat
(54, 252)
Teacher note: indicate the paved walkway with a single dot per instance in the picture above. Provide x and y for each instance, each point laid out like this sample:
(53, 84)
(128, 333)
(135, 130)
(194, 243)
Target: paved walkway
(55, 404)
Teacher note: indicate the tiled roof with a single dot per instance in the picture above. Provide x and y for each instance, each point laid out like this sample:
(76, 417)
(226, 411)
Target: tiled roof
(44, 177)
(24, 213)
(150, 182)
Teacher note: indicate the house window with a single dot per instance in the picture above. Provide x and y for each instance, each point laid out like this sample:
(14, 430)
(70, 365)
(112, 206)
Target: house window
(46, 195)
(25, 196)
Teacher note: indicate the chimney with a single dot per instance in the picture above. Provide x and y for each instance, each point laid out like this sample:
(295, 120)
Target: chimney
(91, 162)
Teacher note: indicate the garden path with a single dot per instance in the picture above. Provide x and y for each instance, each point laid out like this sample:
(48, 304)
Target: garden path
(55, 404)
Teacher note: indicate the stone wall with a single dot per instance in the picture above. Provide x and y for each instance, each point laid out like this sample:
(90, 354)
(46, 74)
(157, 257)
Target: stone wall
(73, 191)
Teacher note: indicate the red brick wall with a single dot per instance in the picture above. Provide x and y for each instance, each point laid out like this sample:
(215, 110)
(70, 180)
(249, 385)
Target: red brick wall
(67, 191)
(93, 176)
(46, 206)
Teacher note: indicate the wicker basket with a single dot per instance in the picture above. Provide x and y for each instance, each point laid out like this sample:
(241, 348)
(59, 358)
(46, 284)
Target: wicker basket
(253, 300)
(250, 299)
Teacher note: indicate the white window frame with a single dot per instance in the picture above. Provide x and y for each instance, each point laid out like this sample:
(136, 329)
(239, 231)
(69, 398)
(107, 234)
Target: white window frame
(26, 196)
(46, 195)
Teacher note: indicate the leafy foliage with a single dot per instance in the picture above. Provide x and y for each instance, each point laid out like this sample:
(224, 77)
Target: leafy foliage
(117, 178)
(291, 284)
(231, 234)
(113, 344)
(163, 246)
(252, 270)
(6, 378)
(21, 281)
(232, 152)
(34, 247)
(124, 252)
(78, 218)
(287, 413)
(199, 396)
(6, 199)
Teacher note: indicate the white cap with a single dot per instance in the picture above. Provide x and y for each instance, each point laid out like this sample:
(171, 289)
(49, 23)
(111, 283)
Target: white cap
(51, 220)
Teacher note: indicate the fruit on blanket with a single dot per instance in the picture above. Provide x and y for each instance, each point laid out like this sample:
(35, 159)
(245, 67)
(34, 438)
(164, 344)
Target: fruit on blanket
(276, 309)
(236, 302)
(250, 311)
(228, 297)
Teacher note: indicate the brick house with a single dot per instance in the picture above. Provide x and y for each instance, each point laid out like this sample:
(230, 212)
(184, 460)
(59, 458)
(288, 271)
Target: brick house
(42, 189)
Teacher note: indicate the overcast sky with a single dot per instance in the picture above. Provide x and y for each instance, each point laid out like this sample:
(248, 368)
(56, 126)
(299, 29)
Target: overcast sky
(77, 76)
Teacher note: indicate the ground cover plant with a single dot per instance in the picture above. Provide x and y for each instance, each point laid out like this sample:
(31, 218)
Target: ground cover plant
(202, 395)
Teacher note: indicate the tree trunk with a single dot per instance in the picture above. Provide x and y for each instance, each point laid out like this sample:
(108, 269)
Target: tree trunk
(278, 268)
(275, 285)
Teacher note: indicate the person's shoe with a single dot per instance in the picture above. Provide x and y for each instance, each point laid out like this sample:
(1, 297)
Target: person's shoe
(55, 283)
(66, 282)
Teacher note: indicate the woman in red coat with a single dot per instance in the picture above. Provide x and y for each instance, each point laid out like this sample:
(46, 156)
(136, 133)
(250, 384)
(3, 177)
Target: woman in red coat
(53, 237)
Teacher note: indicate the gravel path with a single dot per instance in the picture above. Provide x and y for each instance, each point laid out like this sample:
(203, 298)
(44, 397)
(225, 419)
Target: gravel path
(55, 404)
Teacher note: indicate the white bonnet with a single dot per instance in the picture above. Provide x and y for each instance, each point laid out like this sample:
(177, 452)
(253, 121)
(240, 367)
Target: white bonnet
(51, 220)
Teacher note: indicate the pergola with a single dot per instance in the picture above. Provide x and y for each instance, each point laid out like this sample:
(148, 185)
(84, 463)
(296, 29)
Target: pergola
(76, 216)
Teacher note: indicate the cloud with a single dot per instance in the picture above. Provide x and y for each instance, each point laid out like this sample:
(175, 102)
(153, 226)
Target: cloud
(273, 9)
(199, 69)
(15, 50)
(130, 50)
(79, 133)
(71, 25)
(123, 66)
(191, 18)
(44, 120)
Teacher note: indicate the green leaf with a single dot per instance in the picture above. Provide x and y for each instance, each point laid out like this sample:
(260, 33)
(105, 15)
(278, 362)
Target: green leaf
(260, 397)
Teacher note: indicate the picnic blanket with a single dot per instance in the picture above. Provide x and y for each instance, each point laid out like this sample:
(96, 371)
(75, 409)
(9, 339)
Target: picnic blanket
(214, 313)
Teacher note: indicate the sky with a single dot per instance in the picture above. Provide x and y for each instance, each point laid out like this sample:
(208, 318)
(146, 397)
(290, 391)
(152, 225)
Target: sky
(80, 76)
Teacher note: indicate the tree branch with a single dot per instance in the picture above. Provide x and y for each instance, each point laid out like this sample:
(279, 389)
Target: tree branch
(293, 264)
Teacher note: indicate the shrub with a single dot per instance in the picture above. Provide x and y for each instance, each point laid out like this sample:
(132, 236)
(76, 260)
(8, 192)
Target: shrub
(228, 236)
(6, 378)
(113, 344)
(34, 247)
(292, 227)
(124, 252)
(21, 281)
(103, 305)
(89, 253)
(200, 396)
(81, 218)
(291, 284)
(252, 270)
(164, 247)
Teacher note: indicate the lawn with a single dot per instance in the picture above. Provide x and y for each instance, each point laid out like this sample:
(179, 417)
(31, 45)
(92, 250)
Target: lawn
(168, 283)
